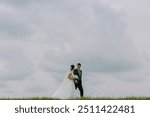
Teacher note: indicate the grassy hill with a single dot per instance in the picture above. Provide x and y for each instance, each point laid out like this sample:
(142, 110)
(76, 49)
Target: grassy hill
(85, 98)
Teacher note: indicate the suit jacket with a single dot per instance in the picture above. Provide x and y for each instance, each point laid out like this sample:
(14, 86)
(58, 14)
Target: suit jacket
(79, 75)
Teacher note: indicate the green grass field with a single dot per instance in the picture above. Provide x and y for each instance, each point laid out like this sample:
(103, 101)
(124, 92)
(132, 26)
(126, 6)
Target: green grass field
(84, 98)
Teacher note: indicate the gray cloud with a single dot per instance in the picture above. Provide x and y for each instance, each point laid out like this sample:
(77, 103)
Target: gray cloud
(17, 2)
(40, 39)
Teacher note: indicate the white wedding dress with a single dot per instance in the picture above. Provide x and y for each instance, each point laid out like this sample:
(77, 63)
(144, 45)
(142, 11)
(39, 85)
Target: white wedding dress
(66, 90)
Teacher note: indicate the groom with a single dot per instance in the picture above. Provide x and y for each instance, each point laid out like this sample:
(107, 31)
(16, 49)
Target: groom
(78, 83)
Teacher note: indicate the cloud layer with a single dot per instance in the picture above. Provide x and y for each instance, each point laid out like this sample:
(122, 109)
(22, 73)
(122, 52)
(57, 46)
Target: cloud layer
(40, 39)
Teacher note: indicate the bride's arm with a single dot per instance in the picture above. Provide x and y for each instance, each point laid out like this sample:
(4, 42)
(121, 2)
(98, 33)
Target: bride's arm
(70, 76)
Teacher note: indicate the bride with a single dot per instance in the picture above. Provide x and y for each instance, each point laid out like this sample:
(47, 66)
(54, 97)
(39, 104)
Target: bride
(67, 88)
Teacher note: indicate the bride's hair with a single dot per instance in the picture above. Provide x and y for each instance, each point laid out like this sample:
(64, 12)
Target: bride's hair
(72, 67)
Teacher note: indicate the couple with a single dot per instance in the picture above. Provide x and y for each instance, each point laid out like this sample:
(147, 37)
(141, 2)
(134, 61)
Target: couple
(70, 83)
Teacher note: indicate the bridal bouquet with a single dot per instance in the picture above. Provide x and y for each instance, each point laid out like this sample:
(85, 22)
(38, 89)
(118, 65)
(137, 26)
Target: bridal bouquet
(75, 77)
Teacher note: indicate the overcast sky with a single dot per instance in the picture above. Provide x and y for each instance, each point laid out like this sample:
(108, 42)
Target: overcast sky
(39, 39)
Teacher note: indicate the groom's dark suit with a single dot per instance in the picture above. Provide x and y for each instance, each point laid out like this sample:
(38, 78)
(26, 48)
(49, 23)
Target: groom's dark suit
(79, 84)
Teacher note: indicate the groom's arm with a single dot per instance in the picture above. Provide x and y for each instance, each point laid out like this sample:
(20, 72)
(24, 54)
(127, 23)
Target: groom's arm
(75, 72)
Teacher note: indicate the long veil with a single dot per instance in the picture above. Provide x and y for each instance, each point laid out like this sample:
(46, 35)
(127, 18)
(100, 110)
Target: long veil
(66, 89)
